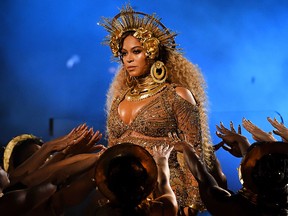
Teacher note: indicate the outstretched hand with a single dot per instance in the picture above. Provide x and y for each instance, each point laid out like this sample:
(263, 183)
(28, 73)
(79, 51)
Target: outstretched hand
(75, 136)
(86, 145)
(177, 141)
(281, 130)
(162, 152)
(233, 142)
(257, 134)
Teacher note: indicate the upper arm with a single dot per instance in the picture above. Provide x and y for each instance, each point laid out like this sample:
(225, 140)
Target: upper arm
(165, 205)
(186, 94)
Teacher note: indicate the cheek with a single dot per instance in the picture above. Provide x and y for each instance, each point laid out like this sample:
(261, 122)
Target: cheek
(145, 67)
(143, 61)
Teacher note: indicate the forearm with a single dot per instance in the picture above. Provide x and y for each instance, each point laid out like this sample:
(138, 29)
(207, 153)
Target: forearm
(165, 193)
(163, 175)
(81, 186)
(218, 174)
(60, 171)
(31, 164)
(58, 156)
(197, 167)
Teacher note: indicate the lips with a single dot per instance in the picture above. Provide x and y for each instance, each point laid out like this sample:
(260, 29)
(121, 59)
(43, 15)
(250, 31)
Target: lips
(130, 68)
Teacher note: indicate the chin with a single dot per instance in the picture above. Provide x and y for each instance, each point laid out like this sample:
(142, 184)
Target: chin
(134, 74)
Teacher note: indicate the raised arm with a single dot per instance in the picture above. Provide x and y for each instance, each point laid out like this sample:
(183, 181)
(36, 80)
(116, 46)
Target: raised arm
(39, 157)
(165, 192)
(75, 193)
(60, 171)
(213, 196)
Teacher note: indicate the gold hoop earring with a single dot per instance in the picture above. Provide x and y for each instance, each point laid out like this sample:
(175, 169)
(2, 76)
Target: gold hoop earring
(158, 72)
(129, 80)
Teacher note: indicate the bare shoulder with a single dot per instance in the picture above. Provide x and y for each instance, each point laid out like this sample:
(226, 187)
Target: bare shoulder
(185, 94)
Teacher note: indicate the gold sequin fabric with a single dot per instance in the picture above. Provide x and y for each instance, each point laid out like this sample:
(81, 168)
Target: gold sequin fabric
(168, 112)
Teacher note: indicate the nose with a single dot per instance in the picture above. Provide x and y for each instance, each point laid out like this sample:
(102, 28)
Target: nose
(129, 58)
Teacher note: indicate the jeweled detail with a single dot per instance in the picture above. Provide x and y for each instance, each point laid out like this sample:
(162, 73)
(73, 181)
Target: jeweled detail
(167, 113)
(148, 29)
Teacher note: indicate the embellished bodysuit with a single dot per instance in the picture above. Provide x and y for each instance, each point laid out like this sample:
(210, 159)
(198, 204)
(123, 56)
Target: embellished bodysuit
(166, 113)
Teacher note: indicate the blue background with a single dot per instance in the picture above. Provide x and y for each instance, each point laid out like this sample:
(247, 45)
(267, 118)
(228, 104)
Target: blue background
(53, 65)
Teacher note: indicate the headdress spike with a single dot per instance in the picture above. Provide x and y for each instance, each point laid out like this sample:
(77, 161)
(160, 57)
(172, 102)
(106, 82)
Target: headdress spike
(148, 29)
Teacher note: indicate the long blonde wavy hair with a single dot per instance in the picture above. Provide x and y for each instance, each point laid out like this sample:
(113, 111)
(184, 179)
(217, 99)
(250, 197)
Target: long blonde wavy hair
(184, 73)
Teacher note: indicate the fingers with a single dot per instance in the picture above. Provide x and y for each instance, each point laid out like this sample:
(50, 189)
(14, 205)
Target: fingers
(248, 125)
(274, 122)
(154, 149)
(170, 135)
(226, 148)
(96, 137)
(232, 127)
(219, 134)
(218, 146)
(223, 129)
(163, 149)
(277, 132)
(279, 126)
(81, 127)
(169, 149)
(239, 129)
(174, 136)
(98, 148)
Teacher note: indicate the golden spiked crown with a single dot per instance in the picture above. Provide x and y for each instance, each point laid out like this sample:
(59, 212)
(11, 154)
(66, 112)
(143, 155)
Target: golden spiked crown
(148, 29)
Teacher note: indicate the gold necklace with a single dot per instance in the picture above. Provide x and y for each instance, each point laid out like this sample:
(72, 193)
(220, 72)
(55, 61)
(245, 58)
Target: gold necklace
(144, 88)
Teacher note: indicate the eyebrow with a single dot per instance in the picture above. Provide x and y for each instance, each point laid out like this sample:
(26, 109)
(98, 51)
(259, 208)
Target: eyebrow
(133, 48)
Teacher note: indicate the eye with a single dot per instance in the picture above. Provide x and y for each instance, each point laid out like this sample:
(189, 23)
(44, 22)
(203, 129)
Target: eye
(123, 53)
(137, 51)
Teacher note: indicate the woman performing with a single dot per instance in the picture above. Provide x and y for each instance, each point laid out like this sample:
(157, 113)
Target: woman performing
(158, 97)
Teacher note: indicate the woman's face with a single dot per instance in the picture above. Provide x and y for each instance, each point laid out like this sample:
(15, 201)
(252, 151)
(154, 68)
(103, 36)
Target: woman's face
(133, 57)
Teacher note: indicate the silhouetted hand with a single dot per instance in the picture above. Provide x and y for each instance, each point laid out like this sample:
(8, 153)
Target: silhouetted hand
(233, 142)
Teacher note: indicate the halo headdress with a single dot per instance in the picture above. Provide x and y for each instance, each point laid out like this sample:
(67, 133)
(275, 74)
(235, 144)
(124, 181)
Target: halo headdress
(10, 146)
(148, 29)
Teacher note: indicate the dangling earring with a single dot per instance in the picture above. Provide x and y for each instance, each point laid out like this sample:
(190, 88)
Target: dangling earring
(129, 80)
(158, 72)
